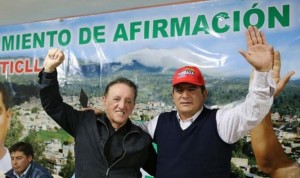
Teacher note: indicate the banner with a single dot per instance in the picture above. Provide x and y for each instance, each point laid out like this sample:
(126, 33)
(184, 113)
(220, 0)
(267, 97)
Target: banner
(146, 45)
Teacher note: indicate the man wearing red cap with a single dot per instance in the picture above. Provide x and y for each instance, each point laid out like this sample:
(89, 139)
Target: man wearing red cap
(195, 141)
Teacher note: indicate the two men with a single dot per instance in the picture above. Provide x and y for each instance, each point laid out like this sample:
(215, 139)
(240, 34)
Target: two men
(195, 141)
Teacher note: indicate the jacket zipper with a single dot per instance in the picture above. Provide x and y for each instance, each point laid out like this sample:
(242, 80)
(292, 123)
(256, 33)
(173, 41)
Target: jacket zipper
(108, 169)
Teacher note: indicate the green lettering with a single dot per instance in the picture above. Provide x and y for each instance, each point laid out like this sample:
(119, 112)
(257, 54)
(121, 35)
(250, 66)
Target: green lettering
(120, 33)
(134, 28)
(26, 38)
(7, 43)
(18, 42)
(67, 35)
(283, 19)
(38, 40)
(159, 26)
(236, 21)
(98, 33)
(260, 17)
(180, 28)
(85, 35)
(147, 30)
(201, 25)
(51, 34)
(219, 18)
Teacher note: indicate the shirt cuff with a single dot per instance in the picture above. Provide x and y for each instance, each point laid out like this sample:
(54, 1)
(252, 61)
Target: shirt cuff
(263, 80)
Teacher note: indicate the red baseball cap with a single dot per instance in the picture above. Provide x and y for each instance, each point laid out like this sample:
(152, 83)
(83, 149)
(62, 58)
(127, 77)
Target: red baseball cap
(188, 74)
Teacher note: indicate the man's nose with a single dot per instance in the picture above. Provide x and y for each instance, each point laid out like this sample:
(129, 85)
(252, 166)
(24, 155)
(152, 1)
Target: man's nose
(121, 104)
(185, 93)
(13, 162)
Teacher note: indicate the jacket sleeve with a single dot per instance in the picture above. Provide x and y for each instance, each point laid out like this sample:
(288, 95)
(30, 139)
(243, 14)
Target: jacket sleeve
(45, 175)
(52, 102)
(150, 164)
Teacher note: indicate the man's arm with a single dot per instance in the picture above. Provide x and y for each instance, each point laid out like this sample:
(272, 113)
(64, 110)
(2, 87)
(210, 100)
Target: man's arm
(51, 99)
(269, 155)
(268, 152)
(235, 122)
(150, 163)
(149, 126)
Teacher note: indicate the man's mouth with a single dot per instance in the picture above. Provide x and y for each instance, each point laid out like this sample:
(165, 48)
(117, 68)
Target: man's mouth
(185, 103)
(122, 112)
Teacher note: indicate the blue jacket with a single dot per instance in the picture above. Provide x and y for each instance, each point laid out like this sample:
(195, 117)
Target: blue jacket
(35, 171)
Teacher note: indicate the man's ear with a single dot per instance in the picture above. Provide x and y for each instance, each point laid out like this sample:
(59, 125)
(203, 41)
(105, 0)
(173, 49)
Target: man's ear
(172, 96)
(30, 158)
(205, 93)
(9, 115)
(103, 100)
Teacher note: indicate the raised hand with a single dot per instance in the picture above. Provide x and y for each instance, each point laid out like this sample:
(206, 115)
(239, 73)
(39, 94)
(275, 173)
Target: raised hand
(268, 152)
(280, 83)
(259, 54)
(53, 59)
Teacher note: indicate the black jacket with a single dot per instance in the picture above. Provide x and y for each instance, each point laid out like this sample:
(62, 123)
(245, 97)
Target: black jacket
(91, 133)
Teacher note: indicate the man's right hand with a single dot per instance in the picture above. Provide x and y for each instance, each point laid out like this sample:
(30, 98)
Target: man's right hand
(53, 59)
(96, 110)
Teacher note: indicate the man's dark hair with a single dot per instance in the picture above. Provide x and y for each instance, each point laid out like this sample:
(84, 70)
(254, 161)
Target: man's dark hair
(202, 88)
(24, 147)
(124, 81)
(5, 96)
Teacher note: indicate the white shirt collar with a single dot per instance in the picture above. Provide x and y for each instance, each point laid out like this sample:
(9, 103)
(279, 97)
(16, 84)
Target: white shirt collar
(192, 119)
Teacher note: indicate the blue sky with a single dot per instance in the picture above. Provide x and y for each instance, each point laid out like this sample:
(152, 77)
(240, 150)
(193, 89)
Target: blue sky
(215, 54)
